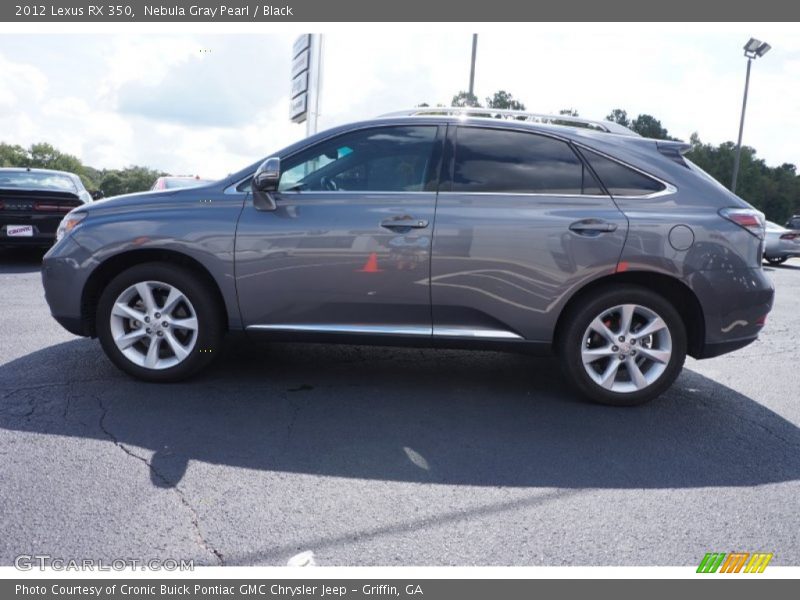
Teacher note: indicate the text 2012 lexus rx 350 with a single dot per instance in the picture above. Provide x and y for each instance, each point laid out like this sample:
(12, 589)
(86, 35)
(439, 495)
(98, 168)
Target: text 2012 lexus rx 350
(444, 228)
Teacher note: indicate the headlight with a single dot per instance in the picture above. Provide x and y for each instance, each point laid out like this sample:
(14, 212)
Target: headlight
(69, 223)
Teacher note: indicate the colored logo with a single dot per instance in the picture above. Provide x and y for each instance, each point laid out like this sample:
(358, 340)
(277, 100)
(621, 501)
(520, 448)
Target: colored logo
(735, 562)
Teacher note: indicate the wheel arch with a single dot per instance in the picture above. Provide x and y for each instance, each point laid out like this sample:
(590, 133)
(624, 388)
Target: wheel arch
(116, 264)
(672, 289)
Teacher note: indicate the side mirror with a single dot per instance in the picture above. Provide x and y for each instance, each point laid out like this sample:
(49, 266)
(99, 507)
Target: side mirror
(265, 181)
(98, 194)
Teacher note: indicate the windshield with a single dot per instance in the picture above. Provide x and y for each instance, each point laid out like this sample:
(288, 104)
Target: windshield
(31, 180)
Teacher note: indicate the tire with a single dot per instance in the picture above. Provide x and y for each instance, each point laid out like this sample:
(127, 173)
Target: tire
(777, 260)
(188, 336)
(658, 357)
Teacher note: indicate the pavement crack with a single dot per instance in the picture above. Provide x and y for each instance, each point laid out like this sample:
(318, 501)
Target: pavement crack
(295, 410)
(28, 388)
(40, 386)
(67, 403)
(194, 518)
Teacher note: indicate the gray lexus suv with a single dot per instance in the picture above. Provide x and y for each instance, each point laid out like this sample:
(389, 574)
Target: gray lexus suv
(438, 227)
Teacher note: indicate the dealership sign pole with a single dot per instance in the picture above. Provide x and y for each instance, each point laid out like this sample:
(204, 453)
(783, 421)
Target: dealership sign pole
(306, 78)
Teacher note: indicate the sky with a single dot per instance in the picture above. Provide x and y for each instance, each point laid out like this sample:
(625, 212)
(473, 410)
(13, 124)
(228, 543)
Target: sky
(208, 104)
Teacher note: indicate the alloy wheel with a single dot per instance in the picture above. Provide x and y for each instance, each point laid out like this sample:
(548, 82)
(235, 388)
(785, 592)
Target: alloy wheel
(154, 325)
(626, 348)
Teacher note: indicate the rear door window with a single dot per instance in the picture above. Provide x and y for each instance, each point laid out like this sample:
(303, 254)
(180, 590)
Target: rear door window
(516, 162)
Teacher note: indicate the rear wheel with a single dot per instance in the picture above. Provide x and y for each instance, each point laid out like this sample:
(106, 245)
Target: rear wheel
(157, 322)
(777, 260)
(623, 346)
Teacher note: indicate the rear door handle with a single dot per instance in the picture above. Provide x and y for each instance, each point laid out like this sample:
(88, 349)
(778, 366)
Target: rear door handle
(592, 226)
(404, 223)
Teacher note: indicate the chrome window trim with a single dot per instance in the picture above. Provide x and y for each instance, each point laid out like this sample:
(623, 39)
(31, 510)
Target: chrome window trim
(361, 127)
(535, 194)
(568, 141)
(231, 189)
(668, 187)
(288, 193)
(668, 190)
(504, 126)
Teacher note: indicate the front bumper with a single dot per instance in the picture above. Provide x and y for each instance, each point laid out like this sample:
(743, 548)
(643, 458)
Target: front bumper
(64, 274)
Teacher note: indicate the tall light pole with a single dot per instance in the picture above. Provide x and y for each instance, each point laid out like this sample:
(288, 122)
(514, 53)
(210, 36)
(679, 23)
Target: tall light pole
(752, 49)
(472, 65)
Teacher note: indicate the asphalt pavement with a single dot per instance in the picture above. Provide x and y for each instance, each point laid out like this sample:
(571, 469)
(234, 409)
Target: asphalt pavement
(386, 456)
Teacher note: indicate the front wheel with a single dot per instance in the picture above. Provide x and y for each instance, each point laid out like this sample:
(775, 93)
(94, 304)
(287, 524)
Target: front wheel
(157, 322)
(623, 346)
(777, 260)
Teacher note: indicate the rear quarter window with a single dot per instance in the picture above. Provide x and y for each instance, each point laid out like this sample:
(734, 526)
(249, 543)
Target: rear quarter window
(620, 180)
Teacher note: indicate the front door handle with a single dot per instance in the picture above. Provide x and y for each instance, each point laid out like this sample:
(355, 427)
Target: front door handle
(404, 222)
(592, 226)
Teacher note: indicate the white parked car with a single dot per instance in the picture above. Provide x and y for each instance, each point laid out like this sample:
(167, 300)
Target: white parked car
(781, 244)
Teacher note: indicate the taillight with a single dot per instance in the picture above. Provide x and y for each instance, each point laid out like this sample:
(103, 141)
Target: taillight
(790, 236)
(746, 218)
(51, 207)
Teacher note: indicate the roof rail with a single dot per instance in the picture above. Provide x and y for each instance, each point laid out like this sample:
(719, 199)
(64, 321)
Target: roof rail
(517, 115)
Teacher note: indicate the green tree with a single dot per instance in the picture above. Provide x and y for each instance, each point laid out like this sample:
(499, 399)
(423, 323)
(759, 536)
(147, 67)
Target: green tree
(112, 181)
(44, 156)
(13, 156)
(462, 99)
(128, 180)
(649, 126)
(619, 116)
(774, 190)
(504, 100)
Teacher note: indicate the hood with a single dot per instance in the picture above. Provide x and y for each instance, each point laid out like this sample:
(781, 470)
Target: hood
(130, 200)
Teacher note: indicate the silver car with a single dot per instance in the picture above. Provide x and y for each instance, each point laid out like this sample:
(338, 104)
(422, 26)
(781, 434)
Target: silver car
(433, 227)
(781, 244)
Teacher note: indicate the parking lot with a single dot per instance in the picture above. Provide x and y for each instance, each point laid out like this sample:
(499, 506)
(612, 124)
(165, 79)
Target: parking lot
(384, 456)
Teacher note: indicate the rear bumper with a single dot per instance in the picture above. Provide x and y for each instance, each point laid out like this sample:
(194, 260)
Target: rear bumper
(720, 348)
(778, 253)
(735, 305)
(44, 229)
